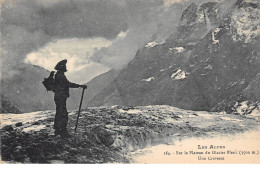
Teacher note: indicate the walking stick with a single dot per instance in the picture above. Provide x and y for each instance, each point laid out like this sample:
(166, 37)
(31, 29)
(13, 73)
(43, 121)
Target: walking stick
(79, 109)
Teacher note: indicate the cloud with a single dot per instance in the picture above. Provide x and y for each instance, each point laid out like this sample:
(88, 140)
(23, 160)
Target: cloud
(28, 26)
(16, 43)
(67, 18)
(76, 51)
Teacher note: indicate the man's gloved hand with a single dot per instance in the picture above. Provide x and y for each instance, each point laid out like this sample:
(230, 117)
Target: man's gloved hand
(84, 86)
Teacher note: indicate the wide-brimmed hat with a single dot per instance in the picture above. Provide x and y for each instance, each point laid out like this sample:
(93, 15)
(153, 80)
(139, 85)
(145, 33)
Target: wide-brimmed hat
(61, 66)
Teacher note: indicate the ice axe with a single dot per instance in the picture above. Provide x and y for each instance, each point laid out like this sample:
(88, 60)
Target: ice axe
(79, 108)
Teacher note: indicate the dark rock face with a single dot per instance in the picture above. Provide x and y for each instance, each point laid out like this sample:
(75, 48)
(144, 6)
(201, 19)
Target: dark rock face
(24, 89)
(252, 91)
(243, 103)
(98, 84)
(195, 22)
(209, 59)
(7, 106)
(247, 100)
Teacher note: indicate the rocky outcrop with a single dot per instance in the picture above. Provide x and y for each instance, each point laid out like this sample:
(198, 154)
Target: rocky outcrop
(243, 103)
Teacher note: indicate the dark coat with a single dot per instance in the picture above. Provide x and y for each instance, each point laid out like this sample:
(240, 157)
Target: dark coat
(62, 84)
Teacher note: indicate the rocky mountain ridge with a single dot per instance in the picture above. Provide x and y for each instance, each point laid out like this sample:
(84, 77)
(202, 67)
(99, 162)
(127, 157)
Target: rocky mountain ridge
(193, 69)
(24, 92)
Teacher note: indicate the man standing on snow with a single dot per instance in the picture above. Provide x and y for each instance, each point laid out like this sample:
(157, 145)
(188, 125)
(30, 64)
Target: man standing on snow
(61, 93)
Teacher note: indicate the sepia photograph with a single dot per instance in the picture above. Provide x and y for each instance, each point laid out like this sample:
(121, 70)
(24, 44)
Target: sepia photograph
(129, 82)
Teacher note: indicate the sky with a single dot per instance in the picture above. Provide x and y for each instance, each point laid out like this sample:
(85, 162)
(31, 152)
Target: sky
(93, 35)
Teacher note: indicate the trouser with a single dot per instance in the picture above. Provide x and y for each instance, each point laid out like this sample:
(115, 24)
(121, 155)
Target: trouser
(61, 117)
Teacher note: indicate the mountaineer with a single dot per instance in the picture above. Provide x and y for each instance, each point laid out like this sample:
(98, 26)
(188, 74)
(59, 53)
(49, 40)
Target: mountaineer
(61, 93)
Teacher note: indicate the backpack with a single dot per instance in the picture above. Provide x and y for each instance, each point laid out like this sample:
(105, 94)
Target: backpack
(49, 83)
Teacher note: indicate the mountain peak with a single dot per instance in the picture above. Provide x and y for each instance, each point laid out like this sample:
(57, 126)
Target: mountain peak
(244, 3)
(189, 14)
(245, 21)
(196, 21)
